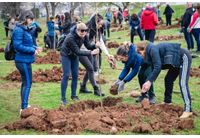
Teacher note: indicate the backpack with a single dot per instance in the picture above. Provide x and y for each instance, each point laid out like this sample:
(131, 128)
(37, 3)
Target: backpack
(60, 42)
(9, 51)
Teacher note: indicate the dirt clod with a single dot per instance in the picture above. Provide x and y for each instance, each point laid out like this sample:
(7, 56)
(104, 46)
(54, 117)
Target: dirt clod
(114, 90)
(145, 103)
(114, 117)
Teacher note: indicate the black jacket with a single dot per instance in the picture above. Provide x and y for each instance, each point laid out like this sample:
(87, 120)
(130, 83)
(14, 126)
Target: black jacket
(72, 43)
(162, 56)
(185, 22)
(168, 10)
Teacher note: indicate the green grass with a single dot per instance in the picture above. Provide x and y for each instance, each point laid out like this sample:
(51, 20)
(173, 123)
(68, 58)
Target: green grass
(47, 95)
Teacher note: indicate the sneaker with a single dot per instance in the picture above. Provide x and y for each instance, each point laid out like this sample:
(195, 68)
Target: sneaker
(164, 103)
(152, 100)
(186, 115)
(96, 73)
(62, 103)
(140, 98)
(75, 98)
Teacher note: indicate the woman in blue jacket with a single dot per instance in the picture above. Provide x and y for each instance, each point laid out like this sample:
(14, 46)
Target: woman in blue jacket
(168, 56)
(25, 54)
(132, 63)
(134, 24)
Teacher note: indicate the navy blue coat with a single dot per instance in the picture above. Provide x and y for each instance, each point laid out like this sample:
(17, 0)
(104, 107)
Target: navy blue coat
(134, 62)
(23, 44)
(162, 56)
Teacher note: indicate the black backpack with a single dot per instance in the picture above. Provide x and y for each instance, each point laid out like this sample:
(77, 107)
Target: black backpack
(9, 51)
(60, 42)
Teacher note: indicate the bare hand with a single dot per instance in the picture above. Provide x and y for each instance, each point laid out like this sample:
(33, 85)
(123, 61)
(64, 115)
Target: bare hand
(146, 86)
(95, 52)
(97, 44)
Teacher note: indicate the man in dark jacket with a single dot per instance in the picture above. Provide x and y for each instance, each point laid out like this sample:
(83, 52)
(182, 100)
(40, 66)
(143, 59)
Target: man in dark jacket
(70, 52)
(168, 14)
(185, 22)
(168, 56)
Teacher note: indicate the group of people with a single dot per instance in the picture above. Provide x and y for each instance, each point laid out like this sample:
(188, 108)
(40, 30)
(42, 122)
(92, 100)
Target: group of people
(85, 42)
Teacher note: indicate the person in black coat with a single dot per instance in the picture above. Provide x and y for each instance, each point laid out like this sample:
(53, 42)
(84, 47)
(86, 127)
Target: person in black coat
(70, 52)
(185, 22)
(168, 14)
(178, 62)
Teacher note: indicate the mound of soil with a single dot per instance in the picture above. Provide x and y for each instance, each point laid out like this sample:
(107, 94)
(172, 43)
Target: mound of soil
(52, 57)
(1, 50)
(113, 45)
(113, 117)
(168, 37)
(49, 75)
(195, 72)
(164, 27)
(135, 93)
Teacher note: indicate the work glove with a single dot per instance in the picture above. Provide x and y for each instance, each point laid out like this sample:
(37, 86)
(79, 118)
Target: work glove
(121, 86)
(136, 27)
(117, 82)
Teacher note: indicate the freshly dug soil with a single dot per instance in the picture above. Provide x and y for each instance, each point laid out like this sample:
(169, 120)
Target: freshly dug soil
(113, 45)
(168, 37)
(113, 117)
(49, 75)
(164, 27)
(135, 93)
(1, 50)
(195, 72)
(52, 57)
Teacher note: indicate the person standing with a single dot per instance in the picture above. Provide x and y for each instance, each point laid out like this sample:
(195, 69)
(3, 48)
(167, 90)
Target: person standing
(194, 26)
(25, 54)
(115, 16)
(168, 14)
(149, 20)
(178, 62)
(120, 17)
(6, 24)
(185, 22)
(134, 24)
(109, 15)
(70, 52)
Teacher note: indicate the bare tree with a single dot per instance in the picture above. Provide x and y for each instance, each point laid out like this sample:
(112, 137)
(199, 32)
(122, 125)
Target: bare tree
(53, 7)
(10, 8)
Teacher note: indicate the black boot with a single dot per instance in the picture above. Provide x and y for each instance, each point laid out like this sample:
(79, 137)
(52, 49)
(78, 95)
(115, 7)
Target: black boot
(97, 91)
(83, 89)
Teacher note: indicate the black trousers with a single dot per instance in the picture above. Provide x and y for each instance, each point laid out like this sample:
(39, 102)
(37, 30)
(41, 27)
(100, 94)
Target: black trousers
(150, 35)
(87, 61)
(168, 19)
(184, 73)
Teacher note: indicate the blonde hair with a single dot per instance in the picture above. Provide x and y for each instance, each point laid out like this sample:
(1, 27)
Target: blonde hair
(81, 25)
(142, 45)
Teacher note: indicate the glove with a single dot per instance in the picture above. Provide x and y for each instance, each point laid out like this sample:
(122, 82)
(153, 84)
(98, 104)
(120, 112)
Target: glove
(136, 27)
(121, 86)
(117, 82)
(189, 30)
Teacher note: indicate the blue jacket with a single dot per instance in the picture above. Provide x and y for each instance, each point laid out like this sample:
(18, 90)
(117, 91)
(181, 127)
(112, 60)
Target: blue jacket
(108, 16)
(162, 56)
(134, 23)
(34, 29)
(134, 62)
(50, 26)
(23, 44)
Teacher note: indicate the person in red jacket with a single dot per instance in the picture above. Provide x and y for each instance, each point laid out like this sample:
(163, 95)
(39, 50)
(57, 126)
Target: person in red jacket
(149, 20)
(194, 26)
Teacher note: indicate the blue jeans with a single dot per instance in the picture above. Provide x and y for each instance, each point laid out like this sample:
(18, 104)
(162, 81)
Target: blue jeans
(25, 70)
(133, 33)
(149, 35)
(52, 42)
(69, 65)
(188, 39)
(196, 34)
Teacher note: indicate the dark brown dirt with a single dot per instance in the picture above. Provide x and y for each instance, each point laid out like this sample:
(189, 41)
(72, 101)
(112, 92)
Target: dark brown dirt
(49, 75)
(114, 90)
(135, 93)
(113, 45)
(112, 118)
(195, 72)
(145, 104)
(168, 37)
(164, 27)
(52, 57)
(1, 50)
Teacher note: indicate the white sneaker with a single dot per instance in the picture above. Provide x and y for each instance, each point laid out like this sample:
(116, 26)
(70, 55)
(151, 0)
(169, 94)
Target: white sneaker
(96, 73)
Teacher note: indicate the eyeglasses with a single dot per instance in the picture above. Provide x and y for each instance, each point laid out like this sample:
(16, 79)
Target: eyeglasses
(83, 30)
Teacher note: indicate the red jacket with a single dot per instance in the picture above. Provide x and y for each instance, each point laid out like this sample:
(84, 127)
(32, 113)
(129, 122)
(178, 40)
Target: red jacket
(193, 19)
(149, 19)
